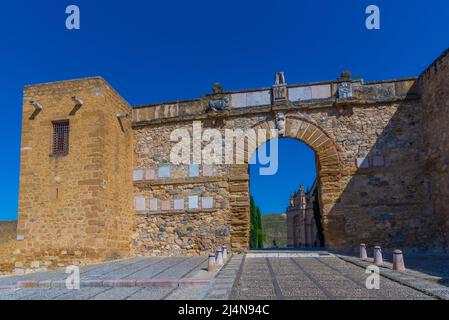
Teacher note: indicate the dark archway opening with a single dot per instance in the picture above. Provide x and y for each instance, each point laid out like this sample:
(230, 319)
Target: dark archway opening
(285, 204)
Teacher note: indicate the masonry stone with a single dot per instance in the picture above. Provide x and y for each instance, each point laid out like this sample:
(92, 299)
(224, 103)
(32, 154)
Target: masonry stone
(382, 165)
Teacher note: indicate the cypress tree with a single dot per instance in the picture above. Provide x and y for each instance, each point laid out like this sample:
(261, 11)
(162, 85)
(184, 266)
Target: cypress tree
(253, 226)
(256, 234)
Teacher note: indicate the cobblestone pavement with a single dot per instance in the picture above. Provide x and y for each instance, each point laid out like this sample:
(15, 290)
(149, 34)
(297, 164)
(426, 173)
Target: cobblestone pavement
(312, 278)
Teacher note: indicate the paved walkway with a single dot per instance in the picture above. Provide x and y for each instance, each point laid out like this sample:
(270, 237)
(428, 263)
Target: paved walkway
(261, 276)
(312, 278)
(149, 278)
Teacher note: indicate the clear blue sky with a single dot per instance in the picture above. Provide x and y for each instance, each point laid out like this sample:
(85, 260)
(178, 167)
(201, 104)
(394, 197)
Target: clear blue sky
(153, 51)
(296, 166)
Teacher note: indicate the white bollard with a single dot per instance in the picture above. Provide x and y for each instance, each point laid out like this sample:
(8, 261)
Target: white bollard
(212, 265)
(378, 260)
(219, 258)
(363, 254)
(225, 252)
(398, 261)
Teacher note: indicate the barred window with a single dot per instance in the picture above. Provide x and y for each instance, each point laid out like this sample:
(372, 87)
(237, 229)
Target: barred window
(60, 138)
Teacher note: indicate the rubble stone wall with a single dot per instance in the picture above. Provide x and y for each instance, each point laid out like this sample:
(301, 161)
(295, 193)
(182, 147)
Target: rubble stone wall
(8, 232)
(434, 88)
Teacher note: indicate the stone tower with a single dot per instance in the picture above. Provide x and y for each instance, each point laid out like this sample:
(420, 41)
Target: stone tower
(76, 158)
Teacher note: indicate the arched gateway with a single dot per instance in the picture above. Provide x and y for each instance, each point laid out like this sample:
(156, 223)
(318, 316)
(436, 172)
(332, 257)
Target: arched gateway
(97, 182)
(329, 169)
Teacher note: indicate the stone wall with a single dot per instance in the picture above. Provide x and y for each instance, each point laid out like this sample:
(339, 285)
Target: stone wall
(370, 170)
(180, 209)
(434, 87)
(75, 208)
(8, 232)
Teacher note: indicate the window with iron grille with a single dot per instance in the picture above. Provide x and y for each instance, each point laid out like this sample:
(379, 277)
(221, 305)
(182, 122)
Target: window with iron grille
(60, 138)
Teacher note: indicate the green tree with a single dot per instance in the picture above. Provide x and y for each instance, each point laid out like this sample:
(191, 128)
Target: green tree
(256, 233)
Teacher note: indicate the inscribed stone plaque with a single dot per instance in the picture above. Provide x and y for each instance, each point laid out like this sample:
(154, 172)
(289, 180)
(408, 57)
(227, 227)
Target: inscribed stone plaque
(193, 202)
(300, 93)
(238, 100)
(194, 170)
(166, 205)
(258, 98)
(138, 175)
(321, 91)
(153, 204)
(178, 204)
(164, 172)
(207, 202)
(378, 161)
(149, 174)
(362, 163)
(208, 170)
(140, 203)
(251, 99)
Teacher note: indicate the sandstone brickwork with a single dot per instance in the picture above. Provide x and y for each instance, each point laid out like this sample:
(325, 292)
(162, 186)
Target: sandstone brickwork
(434, 87)
(74, 208)
(8, 232)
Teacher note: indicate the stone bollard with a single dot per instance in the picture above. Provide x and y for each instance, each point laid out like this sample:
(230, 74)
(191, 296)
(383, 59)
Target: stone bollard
(398, 261)
(225, 253)
(219, 258)
(378, 260)
(363, 254)
(212, 265)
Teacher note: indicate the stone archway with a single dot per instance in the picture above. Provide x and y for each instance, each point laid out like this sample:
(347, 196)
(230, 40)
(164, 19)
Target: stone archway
(329, 173)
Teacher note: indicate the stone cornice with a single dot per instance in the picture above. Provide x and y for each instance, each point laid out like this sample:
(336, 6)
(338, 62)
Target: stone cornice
(268, 109)
(183, 181)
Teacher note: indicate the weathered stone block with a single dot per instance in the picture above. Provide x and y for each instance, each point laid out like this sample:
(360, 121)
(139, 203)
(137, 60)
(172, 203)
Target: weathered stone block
(194, 170)
(164, 172)
(207, 202)
(140, 203)
(193, 202)
(321, 91)
(138, 174)
(149, 174)
(208, 170)
(178, 204)
(166, 205)
(153, 204)
(300, 93)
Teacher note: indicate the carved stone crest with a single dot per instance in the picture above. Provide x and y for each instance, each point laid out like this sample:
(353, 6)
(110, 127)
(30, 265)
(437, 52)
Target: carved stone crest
(218, 105)
(280, 123)
(218, 101)
(345, 90)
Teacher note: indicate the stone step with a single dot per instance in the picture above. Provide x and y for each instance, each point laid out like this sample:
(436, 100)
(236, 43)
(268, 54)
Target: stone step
(113, 283)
